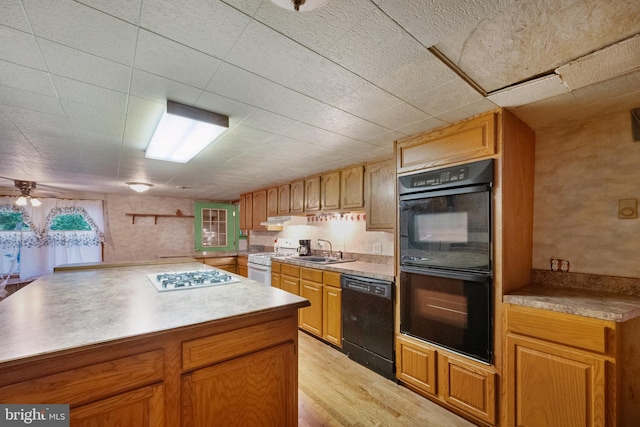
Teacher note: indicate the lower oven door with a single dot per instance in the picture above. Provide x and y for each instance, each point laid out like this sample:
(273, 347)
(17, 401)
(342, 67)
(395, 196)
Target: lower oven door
(450, 309)
(259, 273)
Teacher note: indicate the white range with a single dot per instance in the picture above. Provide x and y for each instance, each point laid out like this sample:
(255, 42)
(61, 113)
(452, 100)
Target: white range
(259, 264)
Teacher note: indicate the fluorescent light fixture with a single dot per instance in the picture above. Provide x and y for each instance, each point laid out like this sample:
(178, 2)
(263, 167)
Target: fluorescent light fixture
(140, 187)
(183, 132)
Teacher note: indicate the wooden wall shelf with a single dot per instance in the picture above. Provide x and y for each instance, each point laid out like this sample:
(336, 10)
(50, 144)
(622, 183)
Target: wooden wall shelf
(155, 216)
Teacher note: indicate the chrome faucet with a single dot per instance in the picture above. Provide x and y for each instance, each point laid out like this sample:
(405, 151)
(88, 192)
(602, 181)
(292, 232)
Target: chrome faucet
(330, 246)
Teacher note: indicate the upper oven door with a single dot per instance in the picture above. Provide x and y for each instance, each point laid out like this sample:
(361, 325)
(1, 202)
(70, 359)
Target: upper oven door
(447, 229)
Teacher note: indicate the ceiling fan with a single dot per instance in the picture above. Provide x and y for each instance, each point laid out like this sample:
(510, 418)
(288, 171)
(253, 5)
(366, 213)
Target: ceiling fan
(27, 191)
(25, 188)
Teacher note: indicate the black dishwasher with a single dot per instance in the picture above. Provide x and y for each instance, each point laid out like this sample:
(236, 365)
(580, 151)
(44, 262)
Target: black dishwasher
(368, 323)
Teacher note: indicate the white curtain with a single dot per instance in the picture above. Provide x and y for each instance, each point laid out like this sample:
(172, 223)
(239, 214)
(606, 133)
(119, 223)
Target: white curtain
(59, 247)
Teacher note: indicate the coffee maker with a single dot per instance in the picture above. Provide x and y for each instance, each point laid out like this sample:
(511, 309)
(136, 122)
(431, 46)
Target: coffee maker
(305, 248)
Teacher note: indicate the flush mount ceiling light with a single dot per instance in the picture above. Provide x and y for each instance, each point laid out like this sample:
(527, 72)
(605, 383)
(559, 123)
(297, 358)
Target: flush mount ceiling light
(140, 187)
(300, 5)
(25, 188)
(183, 132)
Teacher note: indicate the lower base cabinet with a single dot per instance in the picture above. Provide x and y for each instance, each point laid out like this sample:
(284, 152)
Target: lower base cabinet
(466, 386)
(243, 270)
(228, 263)
(231, 372)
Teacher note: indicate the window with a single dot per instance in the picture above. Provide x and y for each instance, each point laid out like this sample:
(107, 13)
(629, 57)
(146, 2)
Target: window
(215, 227)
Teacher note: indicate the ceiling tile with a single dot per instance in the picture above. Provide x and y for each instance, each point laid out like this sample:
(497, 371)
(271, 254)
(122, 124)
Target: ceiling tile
(20, 47)
(399, 116)
(85, 93)
(211, 27)
(467, 110)
(604, 64)
(268, 121)
(529, 92)
(32, 121)
(18, 98)
(266, 52)
(25, 78)
(105, 125)
(77, 65)
(128, 10)
(367, 101)
(242, 85)
(166, 58)
(13, 16)
(446, 97)
(160, 89)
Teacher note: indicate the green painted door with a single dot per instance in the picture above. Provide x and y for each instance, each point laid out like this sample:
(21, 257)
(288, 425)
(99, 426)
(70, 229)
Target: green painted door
(215, 228)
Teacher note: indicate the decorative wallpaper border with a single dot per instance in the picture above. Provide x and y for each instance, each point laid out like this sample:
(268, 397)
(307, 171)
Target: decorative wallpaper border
(594, 282)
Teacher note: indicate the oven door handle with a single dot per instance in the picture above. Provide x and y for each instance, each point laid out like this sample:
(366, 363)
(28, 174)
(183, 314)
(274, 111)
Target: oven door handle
(426, 194)
(451, 274)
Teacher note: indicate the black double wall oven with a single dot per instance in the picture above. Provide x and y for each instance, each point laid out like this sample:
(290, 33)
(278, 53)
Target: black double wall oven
(445, 250)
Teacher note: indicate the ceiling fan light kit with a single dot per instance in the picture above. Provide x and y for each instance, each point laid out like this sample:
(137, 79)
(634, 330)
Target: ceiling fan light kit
(183, 132)
(300, 5)
(25, 188)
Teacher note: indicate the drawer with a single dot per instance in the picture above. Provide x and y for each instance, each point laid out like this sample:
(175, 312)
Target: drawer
(216, 348)
(332, 279)
(567, 329)
(311, 274)
(89, 383)
(275, 267)
(290, 270)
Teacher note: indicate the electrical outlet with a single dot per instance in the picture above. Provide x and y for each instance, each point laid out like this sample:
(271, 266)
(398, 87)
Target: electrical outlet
(558, 264)
(377, 248)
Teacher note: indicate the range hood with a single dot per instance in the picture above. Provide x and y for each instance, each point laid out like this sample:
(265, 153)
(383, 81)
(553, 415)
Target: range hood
(276, 223)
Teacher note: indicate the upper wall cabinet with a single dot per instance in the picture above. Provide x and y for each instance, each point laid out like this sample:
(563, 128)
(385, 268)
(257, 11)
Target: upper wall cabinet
(312, 194)
(297, 197)
(259, 208)
(470, 139)
(352, 188)
(331, 190)
(380, 195)
(272, 201)
(284, 199)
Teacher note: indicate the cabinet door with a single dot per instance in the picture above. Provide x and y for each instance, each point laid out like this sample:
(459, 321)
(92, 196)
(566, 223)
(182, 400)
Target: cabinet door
(332, 315)
(352, 188)
(312, 194)
(311, 317)
(297, 197)
(259, 389)
(416, 365)
(248, 212)
(243, 208)
(143, 407)
(284, 202)
(331, 190)
(469, 387)
(553, 385)
(272, 201)
(259, 208)
(380, 195)
(290, 284)
(276, 280)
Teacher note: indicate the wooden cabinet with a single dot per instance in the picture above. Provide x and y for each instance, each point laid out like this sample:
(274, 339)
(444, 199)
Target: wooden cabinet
(276, 280)
(332, 308)
(227, 263)
(259, 209)
(242, 266)
(284, 200)
(220, 394)
(297, 197)
(560, 369)
(243, 208)
(272, 201)
(456, 381)
(312, 194)
(248, 211)
(380, 195)
(290, 278)
(352, 188)
(331, 190)
(311, 289)
(469, 139)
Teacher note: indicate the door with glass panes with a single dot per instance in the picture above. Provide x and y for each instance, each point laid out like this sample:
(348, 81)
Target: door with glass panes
(215, 227)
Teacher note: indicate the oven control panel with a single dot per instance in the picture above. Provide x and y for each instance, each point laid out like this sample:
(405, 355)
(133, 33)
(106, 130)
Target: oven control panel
(375, 287)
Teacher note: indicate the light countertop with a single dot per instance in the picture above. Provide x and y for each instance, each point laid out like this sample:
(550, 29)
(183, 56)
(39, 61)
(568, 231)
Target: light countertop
(67, 310)
(357, 268)
(583, 302)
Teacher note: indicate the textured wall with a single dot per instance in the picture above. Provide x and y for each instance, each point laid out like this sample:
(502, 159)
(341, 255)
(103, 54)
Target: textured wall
(145, 240)
(582, 170)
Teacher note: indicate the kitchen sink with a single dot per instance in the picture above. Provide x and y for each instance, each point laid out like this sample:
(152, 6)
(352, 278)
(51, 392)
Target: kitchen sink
(321, 260)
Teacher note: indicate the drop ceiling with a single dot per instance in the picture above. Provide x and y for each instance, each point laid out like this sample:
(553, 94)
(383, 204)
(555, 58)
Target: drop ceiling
(83, 83)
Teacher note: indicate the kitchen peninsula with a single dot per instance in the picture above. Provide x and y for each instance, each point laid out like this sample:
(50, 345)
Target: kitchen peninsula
(108, 344)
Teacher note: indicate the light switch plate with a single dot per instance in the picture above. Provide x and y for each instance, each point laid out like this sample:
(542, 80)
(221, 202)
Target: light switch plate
(627, 208)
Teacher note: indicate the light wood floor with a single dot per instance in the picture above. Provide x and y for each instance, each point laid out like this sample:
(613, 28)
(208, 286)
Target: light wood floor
(335, 391)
